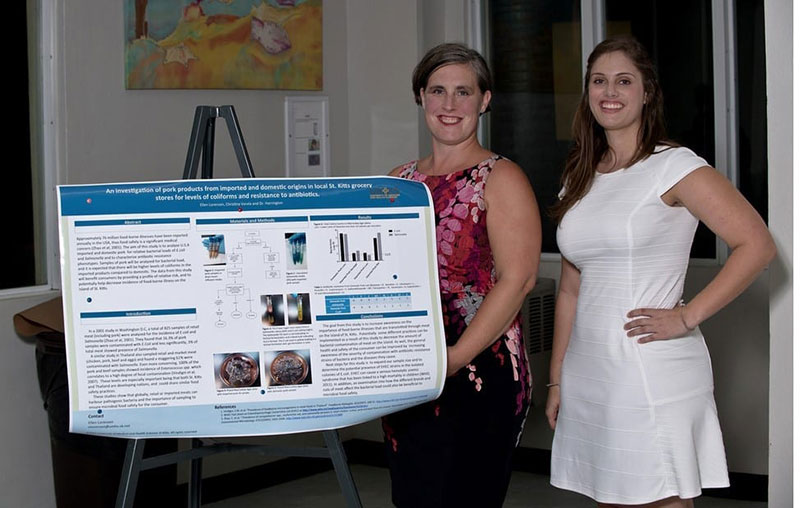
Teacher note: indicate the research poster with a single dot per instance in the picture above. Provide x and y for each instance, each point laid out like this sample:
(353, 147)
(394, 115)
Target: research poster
(249, 306)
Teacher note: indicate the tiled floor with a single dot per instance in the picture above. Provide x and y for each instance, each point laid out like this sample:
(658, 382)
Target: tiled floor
(321, 490)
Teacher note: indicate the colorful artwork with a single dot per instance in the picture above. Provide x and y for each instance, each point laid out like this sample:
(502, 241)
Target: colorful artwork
(255, 44)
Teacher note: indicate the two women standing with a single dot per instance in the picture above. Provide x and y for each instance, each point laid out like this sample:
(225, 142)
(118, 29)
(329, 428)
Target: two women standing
(631, 391)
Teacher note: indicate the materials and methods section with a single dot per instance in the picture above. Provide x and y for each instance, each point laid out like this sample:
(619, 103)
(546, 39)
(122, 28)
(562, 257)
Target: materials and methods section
(248, 306)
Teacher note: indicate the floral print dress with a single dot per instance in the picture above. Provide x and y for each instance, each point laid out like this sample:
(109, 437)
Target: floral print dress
(456, 450)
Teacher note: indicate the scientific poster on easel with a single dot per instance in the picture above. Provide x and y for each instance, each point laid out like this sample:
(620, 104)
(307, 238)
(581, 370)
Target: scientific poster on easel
(248, 306)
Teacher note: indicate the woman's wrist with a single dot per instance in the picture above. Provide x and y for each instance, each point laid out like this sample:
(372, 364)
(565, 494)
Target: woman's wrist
(689, 320)
(683, 319)
(455, 358)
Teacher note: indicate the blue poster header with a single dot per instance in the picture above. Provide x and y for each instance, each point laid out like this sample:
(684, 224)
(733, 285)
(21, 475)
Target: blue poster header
(243, 194)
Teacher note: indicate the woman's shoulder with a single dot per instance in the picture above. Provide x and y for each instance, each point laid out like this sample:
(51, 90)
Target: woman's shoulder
(673, 151)
(675, 155)
(673, 163)
(507, 177)
(506, 169)
(404, 170)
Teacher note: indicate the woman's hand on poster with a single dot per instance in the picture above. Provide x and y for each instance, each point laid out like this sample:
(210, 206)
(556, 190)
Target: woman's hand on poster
(657, 324)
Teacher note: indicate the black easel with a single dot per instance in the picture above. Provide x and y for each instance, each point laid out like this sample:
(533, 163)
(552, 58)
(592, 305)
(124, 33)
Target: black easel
(201, 143)
(203, 132)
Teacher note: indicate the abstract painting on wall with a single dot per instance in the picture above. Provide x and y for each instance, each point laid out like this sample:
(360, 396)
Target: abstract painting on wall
(240, 44)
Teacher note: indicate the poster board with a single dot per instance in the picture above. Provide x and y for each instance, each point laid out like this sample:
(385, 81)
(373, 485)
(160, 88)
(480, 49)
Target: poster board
(248, 306)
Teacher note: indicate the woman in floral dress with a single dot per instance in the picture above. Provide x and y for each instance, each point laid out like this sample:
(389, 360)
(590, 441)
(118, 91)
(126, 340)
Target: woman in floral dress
(456, 450)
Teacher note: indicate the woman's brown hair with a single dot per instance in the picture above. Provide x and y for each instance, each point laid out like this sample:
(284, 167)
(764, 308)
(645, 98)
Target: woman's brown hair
(590, 138)
(447, 54)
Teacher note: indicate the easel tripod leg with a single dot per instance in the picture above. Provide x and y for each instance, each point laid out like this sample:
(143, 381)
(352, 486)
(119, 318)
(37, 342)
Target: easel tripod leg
(196, 478)
(130, 473)
(342, 469)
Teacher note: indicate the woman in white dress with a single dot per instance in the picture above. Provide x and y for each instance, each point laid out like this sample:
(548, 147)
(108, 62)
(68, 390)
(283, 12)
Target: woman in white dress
(631, 391)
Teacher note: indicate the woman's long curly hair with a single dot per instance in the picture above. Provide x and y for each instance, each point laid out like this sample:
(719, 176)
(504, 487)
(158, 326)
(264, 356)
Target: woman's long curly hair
(590, 138)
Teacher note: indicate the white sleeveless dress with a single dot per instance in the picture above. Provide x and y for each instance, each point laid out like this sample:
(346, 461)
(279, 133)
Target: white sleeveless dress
(637, 422)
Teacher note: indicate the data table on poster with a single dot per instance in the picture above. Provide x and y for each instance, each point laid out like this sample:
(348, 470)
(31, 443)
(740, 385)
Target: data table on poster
(367, 303)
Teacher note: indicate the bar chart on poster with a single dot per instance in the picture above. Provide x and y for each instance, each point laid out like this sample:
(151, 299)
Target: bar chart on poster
(372, 248)
(365, 247)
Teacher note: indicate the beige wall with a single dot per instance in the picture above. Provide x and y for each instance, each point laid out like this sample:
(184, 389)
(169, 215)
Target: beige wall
(370, 47)
(105, 133)
(113, 134)
(778, 18)
(381, 52)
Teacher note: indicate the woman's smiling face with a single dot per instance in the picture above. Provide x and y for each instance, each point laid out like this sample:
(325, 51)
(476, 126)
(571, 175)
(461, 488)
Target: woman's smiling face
(616, 92)
(453, 102)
